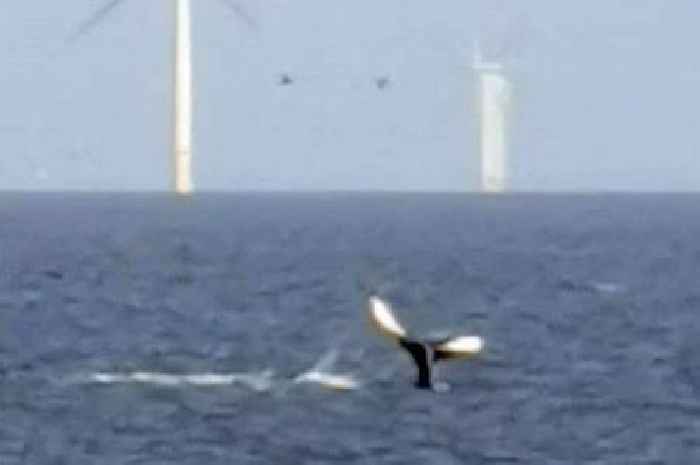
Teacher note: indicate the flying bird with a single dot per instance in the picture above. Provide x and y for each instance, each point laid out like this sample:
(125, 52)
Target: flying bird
(424, 352)
(285, 79)
(382, 82)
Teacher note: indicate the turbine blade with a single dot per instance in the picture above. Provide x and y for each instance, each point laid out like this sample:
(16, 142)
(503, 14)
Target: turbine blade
(239, 11)
(382, 317)
(98, 16)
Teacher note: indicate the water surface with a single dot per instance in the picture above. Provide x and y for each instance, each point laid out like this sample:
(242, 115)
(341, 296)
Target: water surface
(588, 305)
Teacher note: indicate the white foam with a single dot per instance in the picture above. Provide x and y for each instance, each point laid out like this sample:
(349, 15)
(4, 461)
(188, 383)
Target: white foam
(264, 380)
(339, 382)
(320, 374)
(607, 288)
(326, 361)
(259, 381)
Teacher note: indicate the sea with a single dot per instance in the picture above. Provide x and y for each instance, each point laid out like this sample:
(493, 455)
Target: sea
(148, 329)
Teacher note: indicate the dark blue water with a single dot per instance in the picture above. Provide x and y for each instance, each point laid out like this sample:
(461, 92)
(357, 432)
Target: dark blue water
(589, 306)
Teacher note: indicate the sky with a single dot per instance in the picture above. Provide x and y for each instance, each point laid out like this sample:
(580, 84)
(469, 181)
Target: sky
(605, 94)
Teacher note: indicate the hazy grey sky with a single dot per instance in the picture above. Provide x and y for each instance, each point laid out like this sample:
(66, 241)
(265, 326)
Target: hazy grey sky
(606, 97)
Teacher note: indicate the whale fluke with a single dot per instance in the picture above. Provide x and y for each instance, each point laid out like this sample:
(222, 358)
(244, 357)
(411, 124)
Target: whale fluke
(459, 347)
(424, 352)
(381, 315)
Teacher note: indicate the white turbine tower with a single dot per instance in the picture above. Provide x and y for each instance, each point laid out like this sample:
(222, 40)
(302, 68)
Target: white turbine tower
(182, 85)
(182, 125)
(494, 98)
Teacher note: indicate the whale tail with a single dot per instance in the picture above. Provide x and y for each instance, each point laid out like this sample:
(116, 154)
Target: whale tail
(458, 347)
(383, 318)
(423, 352)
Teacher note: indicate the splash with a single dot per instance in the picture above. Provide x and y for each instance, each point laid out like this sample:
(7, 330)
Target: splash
(258, 381)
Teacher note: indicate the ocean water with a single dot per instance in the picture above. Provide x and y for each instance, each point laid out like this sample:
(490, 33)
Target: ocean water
(588, 303)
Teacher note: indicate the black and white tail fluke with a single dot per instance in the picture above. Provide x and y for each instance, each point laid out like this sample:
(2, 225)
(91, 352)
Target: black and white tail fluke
(423, 352)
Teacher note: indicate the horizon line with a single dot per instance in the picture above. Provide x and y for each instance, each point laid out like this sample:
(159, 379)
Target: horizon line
(509, 193)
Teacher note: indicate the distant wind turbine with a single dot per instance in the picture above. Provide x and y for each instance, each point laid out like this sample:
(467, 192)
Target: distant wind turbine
(494, 100)
(182, 82)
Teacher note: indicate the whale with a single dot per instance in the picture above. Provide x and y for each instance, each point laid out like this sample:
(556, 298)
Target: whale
(425, 352)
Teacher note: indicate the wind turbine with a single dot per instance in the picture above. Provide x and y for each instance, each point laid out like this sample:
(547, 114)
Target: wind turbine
(182, 83)
(494, 99)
